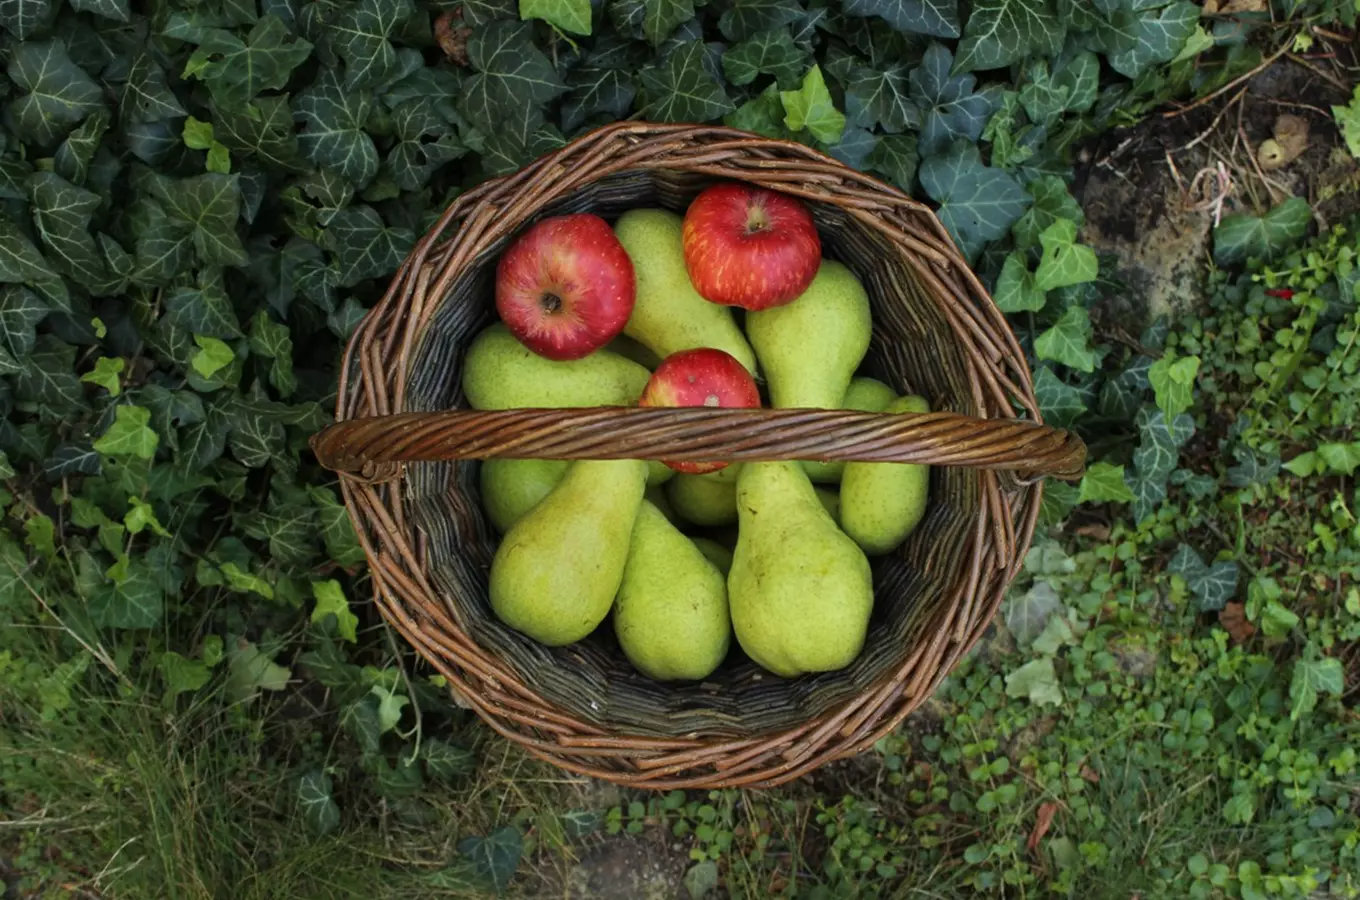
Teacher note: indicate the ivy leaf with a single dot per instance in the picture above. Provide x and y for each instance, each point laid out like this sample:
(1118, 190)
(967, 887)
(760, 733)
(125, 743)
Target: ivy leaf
(1037, 681)
(881, 97)
(445, 761)
(47, 377)
(496, 856)
(56, 94)
(662, 17)
(263, 130)
(977, 203)
(21, 263)
(1016, 290)
(237, 70)
(274, 341)
(342, 545)
(20, 311)
(132, 601)
(61, 214)
(72, 159)
(935, 18)
(512, 75)
(812, 108)
(747, 18)
(212, 357)
(1002, 32)
(1080, 77)
(682, 89)
(250, 670)
(1340, 458)
(1052, 203)
(182, 675)
(333, 134)
(107, 374)
(1172, 379)
(208, 208)
(1064, 262)
(769, 53)
(568, 15)
(953, 111)
(363, 246)
(1027, 614)
(1158, 35)
(317, 804)
(763, 115)
(360, 37)
(129, 434)
(1213, 586)
(1311, 677)
(1068, 341)
(147, 96)
(330, 600)
(1245, 236)
(24, 18)
(597, 92)
(1104, 483)
(895, 156)
(1059, 403)
(116, 10)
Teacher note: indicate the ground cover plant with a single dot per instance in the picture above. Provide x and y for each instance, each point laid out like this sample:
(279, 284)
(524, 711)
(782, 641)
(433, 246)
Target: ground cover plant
(201, 199)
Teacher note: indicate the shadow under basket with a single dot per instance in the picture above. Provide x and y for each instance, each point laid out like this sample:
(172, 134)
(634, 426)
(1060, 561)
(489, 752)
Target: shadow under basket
(407, 447)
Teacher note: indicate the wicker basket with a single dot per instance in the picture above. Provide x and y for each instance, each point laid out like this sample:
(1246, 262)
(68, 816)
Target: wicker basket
(400, 434)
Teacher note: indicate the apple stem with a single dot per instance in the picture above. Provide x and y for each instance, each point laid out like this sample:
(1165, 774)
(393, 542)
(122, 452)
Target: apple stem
(551, 303)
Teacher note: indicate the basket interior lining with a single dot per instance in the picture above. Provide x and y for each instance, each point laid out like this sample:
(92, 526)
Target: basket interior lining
(913, 350)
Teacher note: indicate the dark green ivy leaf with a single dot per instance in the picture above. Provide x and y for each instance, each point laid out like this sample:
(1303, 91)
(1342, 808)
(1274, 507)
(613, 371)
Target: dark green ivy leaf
(1052, 201)
(318, 808)
(935, 18)
(146, 95)
(768, 53)
(134, 601)
(56, 94)
(360, 36)
(73, 157)
(1002, 32)
(881, 97)
(333, 134)
(496, 856)
(1213, 586)
(512, 74)
(208, 207)
(977, 203)
(426, 142)
(262, 130)
(116, 10)
(895, 156)
(21, 263)
(1059, 403)
(1245, 236)
(1159, 34)
(953, 110)
(25, 18)
(663, 16)
(61, 214)
(236, 71)
(363, 246)
(20, 312)
(746, 18)
(597, 92)
(762, 115)
(163, 249)
(683, 90)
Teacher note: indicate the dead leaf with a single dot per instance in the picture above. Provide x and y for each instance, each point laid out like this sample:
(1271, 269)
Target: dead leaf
(1288, 144)
(452, 40)
(1089, 774)
(1041, 825)
(1094, 530)
(1233, 617)
(1242, 6)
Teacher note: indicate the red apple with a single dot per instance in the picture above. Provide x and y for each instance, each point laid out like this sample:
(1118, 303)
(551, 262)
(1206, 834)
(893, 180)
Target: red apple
(749, 247)
(702, 377)
(566, 286)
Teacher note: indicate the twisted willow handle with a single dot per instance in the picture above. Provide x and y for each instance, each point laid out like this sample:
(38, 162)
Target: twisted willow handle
(696, 433)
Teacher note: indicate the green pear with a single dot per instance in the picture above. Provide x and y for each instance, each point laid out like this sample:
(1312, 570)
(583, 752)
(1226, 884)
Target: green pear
(671, 612)
(717, 554)
(708, 499)
(501, 373)
(800, 591)
(809, 349)
(669, 314)
(865, 395)
(882, 503)
(512, 487)
(558, 569)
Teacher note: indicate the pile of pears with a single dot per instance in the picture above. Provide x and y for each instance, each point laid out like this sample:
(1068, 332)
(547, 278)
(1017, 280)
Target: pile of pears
(776, 553)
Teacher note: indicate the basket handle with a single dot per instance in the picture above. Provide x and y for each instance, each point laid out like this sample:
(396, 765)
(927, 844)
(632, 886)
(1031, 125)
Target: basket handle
(372, 446)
